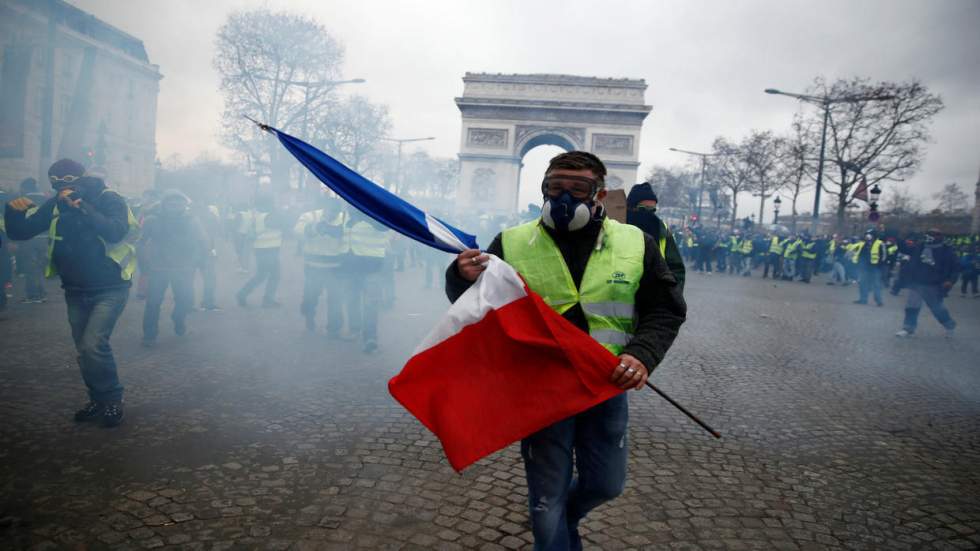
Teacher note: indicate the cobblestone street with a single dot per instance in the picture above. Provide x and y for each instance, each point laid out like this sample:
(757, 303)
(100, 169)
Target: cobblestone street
(252, 433)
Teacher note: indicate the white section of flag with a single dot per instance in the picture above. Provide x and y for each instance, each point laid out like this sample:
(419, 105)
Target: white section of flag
(496, 287)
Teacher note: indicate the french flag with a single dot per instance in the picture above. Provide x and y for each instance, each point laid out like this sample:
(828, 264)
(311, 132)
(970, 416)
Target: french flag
(501, 364)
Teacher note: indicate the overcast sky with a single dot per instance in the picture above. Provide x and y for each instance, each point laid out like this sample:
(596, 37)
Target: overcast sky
(706, 63)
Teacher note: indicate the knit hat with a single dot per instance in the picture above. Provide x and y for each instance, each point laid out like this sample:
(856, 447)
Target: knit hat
(64, 172)
(28, 185)
(640, 192)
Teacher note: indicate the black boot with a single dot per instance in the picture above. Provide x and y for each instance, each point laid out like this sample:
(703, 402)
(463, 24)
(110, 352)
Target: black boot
(112, 415)
(91, 412)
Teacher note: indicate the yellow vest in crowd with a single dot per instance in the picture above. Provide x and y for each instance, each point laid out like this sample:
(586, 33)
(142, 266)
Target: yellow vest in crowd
(321, 245)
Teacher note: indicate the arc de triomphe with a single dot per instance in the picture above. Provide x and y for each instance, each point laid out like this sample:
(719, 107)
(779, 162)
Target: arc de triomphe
(505, 116)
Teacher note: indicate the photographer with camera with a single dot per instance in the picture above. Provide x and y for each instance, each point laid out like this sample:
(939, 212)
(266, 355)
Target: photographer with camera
(89, 230)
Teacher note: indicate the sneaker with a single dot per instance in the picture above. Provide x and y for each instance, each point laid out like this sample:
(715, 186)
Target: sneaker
(112, 415)
(180, 328)
(903, 334)
(91, 412)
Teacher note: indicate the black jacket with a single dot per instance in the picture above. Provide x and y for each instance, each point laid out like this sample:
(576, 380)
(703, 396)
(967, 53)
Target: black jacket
(943, 268)
(652, 225)
(80, 255)
(660, 305)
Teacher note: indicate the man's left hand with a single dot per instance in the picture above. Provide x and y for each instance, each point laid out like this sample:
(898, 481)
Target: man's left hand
(630, 373)
(947, 285)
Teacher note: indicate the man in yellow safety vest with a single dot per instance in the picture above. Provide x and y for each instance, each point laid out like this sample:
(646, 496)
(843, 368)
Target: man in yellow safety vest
(611, 281)
(324, 244)
(367, 243)
(264, 225)
(90, 233)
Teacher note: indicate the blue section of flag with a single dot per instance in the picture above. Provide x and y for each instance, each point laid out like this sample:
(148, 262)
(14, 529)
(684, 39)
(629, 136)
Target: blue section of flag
(375, 201)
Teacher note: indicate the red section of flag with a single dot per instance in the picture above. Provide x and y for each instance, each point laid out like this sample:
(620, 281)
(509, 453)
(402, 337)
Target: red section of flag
(517, 370)
(862, 190)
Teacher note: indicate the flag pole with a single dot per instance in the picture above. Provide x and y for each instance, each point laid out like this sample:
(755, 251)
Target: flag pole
(684, 411)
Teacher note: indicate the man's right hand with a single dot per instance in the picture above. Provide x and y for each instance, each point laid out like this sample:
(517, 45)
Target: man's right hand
(470, 263)
(21, 204)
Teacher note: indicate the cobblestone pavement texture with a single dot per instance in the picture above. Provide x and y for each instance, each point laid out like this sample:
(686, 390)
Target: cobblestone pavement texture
(252, 433)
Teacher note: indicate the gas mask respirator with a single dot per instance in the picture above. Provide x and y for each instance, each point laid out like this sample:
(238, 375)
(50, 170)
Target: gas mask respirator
(568, 209)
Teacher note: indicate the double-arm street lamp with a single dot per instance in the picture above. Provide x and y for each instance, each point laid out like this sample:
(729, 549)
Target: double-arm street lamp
(825, 102)
(400, 141)
(704, 165)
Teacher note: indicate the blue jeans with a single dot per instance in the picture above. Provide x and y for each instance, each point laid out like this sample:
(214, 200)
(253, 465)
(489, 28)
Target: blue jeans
(595, 440)
(869, 280)
(933, 296)
(92, 316)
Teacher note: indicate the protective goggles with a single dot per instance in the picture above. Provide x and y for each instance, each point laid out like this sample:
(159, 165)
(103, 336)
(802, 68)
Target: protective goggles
(63, 180)
(578, 187)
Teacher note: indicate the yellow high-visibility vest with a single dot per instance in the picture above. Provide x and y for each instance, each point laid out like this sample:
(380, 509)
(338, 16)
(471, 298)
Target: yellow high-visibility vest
(122, 253)
(365, 240)
(607, 292)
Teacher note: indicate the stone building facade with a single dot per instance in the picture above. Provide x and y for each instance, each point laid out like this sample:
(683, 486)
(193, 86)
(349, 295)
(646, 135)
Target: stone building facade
(505, 116)
(74, 86)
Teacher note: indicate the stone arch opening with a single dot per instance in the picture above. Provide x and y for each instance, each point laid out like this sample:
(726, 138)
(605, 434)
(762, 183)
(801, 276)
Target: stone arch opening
(507, 116)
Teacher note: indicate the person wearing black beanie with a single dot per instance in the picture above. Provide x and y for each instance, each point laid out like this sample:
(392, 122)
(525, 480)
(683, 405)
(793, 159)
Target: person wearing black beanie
(641, 209)
(91, 231)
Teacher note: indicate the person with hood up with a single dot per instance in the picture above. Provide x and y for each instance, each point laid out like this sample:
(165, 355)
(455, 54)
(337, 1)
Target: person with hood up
(171, 247)
(641, 211)
(90, 232)
(929, 275)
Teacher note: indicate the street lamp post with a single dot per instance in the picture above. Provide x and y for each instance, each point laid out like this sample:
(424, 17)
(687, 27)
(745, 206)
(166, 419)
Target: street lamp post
(776, 203)
(398, 170)
(875, 193)
(825, 102)
(704, 164)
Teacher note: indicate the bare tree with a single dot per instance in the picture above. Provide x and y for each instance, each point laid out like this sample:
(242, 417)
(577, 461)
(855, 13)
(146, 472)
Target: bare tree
(731, 170)
(798, 162)
(431, 179)
(352, 131)
(280, 69)
(899, 201)
(884, 139)
(762, 152)
(676, 189)
(952, 199)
